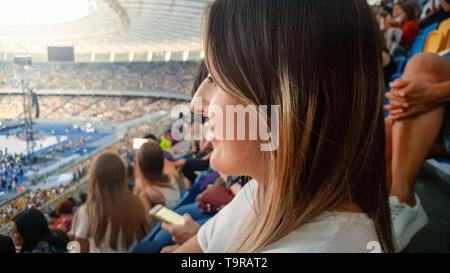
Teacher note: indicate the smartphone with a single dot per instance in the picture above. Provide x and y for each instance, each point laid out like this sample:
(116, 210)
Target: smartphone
(167, 215)
(137, 143)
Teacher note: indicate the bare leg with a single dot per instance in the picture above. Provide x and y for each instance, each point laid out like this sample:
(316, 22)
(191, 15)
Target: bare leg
(412, 140)
(415, 138)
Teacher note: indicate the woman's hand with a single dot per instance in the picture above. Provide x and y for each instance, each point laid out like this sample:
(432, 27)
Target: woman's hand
(182, 233)
(410, 98)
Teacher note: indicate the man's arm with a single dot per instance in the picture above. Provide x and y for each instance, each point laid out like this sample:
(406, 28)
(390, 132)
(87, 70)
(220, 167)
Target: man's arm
(424, 86)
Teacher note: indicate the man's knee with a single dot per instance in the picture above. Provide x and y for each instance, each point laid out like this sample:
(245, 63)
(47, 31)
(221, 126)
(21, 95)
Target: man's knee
(429, 67)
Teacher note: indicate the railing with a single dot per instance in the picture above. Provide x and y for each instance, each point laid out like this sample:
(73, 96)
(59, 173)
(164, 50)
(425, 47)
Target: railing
(118, 93)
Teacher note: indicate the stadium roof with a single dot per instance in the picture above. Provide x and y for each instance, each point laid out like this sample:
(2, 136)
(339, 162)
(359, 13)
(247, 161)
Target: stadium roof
(104, 26)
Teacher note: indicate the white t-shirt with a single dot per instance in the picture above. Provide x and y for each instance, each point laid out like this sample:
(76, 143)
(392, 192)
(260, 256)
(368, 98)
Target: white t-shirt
(329, 232)
(80, 229)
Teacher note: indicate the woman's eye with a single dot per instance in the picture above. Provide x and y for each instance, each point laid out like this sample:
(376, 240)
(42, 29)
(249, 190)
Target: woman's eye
(211, 80)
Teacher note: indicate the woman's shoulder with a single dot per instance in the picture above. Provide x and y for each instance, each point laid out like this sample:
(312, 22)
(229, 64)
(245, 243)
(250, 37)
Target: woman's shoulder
(330, 232)
(152, 194)
(81, 211)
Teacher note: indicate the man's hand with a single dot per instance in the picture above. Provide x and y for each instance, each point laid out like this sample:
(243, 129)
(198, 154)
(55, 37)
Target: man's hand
(411, 97)
(182, 233)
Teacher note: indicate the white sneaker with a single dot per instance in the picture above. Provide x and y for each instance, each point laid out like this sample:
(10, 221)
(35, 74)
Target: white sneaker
(406, 221)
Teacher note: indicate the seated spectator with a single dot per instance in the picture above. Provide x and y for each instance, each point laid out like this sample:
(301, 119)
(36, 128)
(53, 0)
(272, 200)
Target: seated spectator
(319, 186)
(404, 19)
(418, 128)
(30, 233)
(169, 165)
(152, 185)
(64, 211)
(208, 203)
(112, 219)
(410, 27)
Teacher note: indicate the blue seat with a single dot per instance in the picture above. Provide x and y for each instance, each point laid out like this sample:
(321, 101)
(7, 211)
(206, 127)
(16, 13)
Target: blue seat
(401, 64)
(152, 233)
(419, 43)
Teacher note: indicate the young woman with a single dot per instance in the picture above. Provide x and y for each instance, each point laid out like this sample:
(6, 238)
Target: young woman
(152, 185)
(324, 188)
(113, 218)
(409, 25)
(403, 26)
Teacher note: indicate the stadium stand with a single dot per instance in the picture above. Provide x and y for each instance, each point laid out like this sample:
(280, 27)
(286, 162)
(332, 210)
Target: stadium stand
(175, 77)
(115, 120)
(116, 109)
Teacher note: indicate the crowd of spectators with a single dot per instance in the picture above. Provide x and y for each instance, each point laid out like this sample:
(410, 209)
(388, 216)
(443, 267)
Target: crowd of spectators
(175, 77)
(33, 199)
(108, 109)
(11, 169)
(338, 190)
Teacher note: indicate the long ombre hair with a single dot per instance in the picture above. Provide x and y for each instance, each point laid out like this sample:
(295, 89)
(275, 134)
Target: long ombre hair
(320, 61)
(111, 202)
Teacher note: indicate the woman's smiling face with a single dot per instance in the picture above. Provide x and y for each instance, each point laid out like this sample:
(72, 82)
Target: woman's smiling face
(230, 155)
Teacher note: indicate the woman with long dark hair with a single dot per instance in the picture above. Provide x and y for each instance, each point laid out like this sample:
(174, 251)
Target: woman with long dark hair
(113, 218)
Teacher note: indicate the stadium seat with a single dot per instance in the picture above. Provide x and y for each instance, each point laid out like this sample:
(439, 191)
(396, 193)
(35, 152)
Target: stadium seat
(444, 28)
(419, 42)
(434, 42)
(152, 233)
(401, 63)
